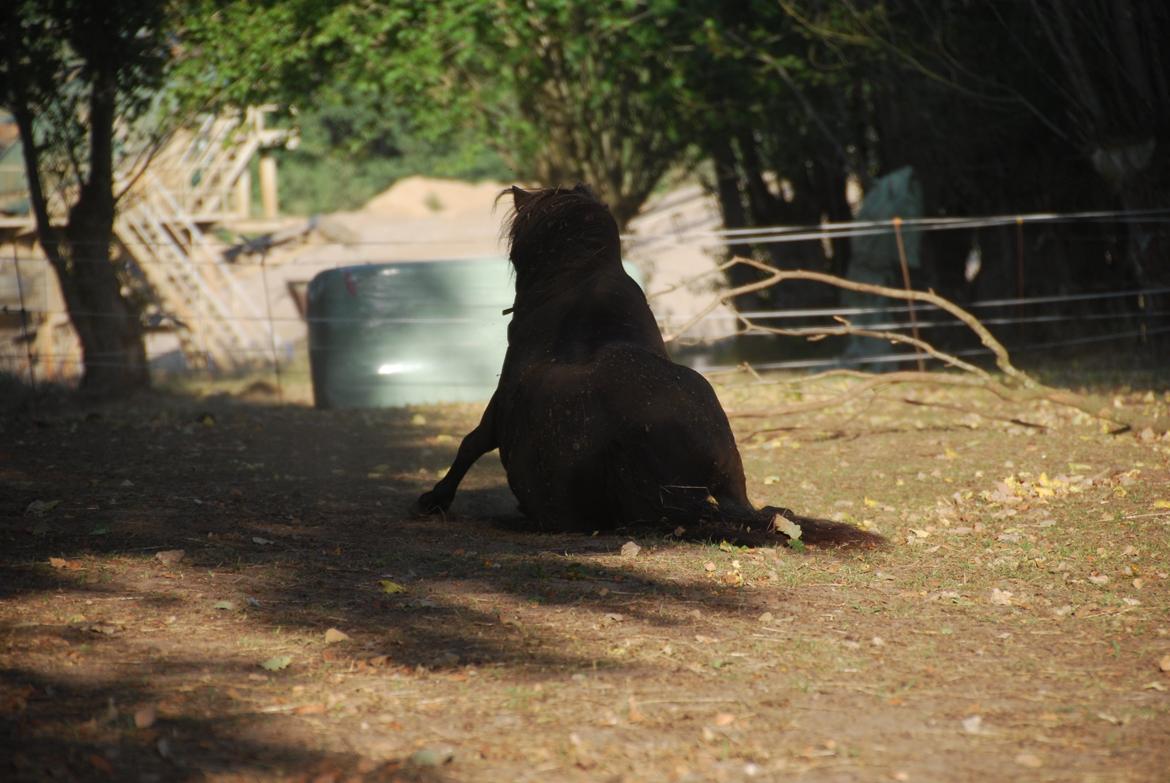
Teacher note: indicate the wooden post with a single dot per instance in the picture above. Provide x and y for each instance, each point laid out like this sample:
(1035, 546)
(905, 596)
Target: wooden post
(906, 282)
(268, 184)
(244, 194)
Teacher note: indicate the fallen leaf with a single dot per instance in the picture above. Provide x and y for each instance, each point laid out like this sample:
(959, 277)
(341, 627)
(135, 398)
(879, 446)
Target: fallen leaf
(310, 709)
(101, 764)
(1029, 760)
(38, 508)
(724, 719)
(630, 549)
(418, 420)
(1098, 579)
(333, 636)
(1001, 597)
(60, 562)
(708, 566)
(1154, 686)
(1162, 504)
(276, 663)
(1164, 663)
(170, 556)
(431, 757)
(16, 701)
(225, 606)
(973, 724)
(106, 629)
(769, 480)
(145, 717)
(782, 524)
(391, 588)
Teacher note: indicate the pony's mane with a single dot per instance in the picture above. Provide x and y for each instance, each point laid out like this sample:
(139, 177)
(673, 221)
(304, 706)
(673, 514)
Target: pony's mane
(558, 226)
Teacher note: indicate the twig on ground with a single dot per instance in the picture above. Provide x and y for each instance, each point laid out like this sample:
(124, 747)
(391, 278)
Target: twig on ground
(972, 411)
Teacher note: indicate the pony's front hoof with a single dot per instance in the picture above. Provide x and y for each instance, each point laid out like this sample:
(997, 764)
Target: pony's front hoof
(430, 504)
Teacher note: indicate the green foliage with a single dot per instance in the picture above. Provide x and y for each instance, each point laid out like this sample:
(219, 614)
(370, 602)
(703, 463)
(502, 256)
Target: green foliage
(54, 55)
(561, 89)
(350, 152)
(239, 52)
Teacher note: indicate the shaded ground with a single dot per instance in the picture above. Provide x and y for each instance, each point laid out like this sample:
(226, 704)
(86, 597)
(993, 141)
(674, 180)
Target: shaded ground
(1012, 629)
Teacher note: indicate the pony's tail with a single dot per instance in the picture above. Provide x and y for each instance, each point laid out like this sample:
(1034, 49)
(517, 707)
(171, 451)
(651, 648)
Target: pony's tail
(819, 532)
(769, 526)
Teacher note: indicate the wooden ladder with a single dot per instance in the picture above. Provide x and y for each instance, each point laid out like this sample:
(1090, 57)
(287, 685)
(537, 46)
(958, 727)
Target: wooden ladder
(218, 323)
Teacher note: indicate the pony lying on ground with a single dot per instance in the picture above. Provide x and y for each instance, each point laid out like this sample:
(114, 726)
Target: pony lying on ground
(597, 428)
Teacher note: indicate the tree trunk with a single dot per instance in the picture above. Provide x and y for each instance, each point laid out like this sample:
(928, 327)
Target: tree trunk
(731, 205)
(108, 326)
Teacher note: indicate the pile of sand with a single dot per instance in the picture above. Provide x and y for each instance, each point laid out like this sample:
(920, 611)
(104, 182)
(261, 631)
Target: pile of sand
(431, 219)
(421, 197)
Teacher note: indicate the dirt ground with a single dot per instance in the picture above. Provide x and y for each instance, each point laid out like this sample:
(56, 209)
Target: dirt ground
(225, 588)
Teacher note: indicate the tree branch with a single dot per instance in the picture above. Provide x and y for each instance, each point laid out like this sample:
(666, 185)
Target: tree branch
(1017, 388)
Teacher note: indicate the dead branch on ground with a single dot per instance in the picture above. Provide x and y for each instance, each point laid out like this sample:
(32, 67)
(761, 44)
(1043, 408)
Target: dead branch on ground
(1012, 384)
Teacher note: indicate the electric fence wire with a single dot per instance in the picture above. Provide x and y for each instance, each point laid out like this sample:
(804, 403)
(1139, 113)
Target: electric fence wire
(725, 237)
(794, 364)
(756, 315)
(754, 234)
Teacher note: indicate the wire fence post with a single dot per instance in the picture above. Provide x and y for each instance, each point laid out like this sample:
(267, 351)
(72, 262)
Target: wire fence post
(897, 222)
(271, 326)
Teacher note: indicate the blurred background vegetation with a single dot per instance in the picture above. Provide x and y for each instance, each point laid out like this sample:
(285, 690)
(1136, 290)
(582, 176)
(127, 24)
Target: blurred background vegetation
(1001, 106)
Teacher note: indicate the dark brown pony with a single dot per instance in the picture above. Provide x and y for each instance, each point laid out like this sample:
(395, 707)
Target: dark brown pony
(596, 426)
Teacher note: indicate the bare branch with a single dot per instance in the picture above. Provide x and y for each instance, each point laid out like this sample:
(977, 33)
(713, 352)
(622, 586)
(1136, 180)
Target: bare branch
(868, 383)
(1016, 387)
(972, 412)
(723, 297)
(1002, 360)
(848, 329)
